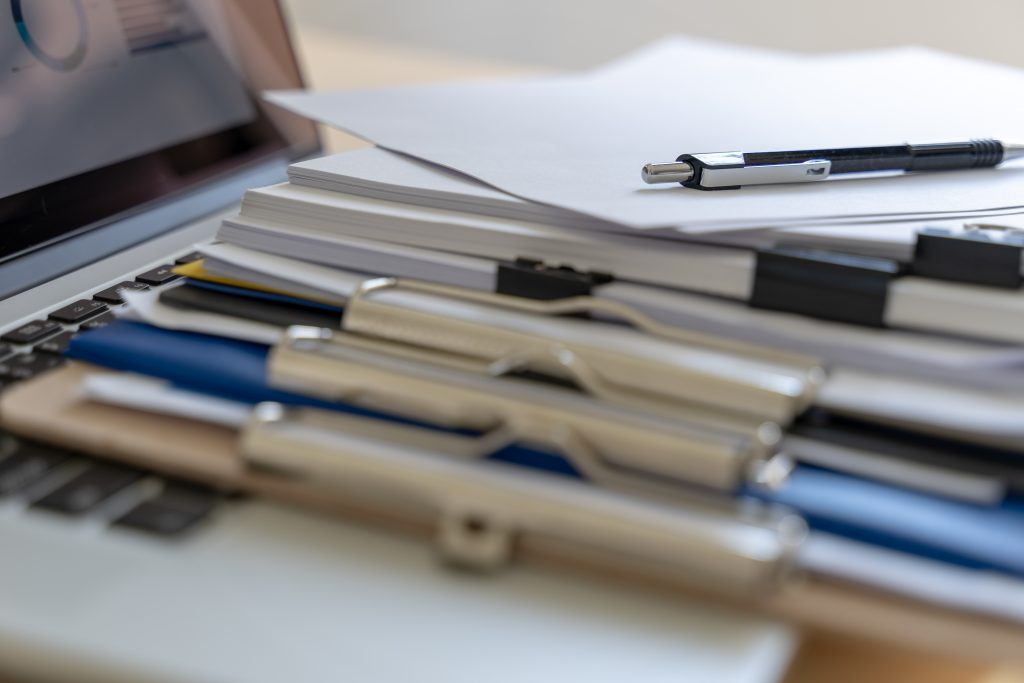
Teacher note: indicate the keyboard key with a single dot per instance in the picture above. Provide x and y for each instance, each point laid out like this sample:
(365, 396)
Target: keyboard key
(29, 333)
(55, 345)
(78, 311)
(88, 488)
(176, 509)
(112, 295)
(187, 258)
(27, 465)
(27, 366)
(97, 322)
(158, 276)
(6, 350)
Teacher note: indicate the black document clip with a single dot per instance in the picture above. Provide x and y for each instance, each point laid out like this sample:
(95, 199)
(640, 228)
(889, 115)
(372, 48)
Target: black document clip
(824, 284)
(979, 254)
(533, 279)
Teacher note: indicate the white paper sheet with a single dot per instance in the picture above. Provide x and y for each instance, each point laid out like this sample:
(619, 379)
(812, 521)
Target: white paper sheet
(312, 224)
(139, 392)
(935, 582)
(974, 416)
(970, 363)
(986, 367)
(299, 277)
(146, 306)
(316, 216)
(379, 174)
(578, 142)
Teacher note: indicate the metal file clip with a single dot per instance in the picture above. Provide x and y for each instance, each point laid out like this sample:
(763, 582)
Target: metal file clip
(603, 309)
(622, 447)
(485, 513)
(654, 365)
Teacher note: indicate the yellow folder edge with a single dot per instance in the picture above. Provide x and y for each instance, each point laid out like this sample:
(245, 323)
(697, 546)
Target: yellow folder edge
(197, 271)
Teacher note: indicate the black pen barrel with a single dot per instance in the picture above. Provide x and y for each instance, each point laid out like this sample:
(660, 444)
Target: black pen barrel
(844, 160)
(915, 157)
(942, 156)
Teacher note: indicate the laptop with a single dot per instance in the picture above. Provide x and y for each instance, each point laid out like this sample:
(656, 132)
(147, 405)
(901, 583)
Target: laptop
(128, 129)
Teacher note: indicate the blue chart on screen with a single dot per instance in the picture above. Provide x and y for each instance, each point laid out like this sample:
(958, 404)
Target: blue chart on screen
(59, 62)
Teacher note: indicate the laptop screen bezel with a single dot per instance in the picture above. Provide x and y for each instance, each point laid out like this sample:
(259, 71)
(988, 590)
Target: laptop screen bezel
(57, 211)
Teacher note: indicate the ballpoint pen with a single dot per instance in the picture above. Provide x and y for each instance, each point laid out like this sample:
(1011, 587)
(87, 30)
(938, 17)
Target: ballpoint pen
(731, 170)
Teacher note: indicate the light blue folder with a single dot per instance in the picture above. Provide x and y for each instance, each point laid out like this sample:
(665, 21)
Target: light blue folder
(977, 536)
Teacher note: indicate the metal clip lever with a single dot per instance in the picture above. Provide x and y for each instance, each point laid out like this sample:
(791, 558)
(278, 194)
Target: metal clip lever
(645, 362)
(683, 448)
(483, 512)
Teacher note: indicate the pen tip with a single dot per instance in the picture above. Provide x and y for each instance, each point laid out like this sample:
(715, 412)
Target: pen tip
(1012, 150)
(670, 172)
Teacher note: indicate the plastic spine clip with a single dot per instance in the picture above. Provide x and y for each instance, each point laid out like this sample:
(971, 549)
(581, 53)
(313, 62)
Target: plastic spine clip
(824, 284)
(980, 254)
(533, 279)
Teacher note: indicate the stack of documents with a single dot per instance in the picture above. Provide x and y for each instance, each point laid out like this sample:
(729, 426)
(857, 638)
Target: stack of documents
(487, 331)
(578, 142)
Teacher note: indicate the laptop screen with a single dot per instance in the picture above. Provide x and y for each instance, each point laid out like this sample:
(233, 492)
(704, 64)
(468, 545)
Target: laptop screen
(109, 105)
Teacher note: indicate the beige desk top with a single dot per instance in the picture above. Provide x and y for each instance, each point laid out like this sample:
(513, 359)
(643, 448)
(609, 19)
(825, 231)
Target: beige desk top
(339, 61)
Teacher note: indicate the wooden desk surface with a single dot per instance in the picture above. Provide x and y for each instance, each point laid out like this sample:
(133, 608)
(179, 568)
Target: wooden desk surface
(339, 61)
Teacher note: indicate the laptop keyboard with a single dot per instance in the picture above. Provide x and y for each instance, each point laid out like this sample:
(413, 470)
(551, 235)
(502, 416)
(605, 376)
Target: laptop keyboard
(44, 478)
(78, 312)
(51, 480)
(177, 508)
(32, 332)
(39, 345)
(112, 295)
(88, 488)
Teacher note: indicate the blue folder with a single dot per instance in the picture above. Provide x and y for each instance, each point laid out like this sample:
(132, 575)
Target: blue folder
(234, 370)
(975, 536)
(981, 537)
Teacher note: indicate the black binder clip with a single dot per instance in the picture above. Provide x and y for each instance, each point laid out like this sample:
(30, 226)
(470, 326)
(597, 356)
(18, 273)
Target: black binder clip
(824, 284)
(533, 279)
(980, 254)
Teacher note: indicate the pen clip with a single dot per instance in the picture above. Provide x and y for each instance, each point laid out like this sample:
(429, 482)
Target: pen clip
(729, 170)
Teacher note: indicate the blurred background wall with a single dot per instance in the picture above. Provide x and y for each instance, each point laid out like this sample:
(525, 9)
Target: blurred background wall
(580, 33)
